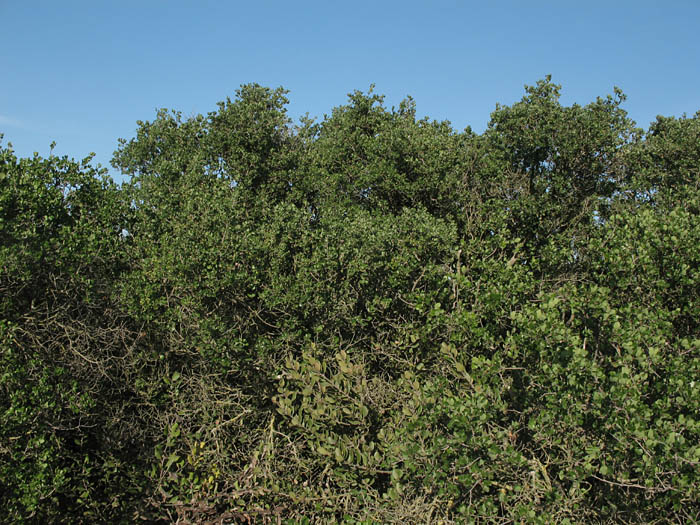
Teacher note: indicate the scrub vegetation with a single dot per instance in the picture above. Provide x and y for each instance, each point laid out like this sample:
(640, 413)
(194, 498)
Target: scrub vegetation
(372, 318)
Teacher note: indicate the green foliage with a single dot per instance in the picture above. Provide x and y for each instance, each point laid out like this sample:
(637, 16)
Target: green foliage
(367, 319)
(61, 343)
(386, 160)
(566, 158)
(665, 164)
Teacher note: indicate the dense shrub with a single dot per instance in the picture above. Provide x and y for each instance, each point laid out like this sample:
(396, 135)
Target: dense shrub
(372, 318)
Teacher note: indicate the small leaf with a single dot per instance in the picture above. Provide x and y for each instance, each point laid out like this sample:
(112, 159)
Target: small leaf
(171, 459)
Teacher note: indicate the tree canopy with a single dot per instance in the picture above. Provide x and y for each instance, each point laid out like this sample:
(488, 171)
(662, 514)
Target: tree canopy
(371, 318)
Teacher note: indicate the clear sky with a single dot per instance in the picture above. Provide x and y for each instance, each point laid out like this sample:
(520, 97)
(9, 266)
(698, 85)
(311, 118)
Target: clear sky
(83, 72)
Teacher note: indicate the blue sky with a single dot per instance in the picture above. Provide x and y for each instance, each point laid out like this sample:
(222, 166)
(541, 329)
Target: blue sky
(81, 73)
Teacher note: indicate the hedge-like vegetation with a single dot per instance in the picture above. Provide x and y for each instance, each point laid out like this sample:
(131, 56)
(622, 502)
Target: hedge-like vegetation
(368, 319)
